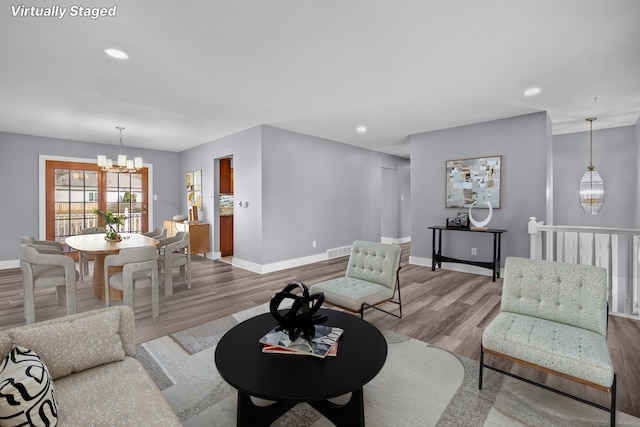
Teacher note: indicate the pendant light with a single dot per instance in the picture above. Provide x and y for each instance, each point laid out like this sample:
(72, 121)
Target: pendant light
(591, 184)
(122, 164)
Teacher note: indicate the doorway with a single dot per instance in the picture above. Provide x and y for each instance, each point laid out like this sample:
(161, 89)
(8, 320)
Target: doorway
(225, 208)
(389, 206)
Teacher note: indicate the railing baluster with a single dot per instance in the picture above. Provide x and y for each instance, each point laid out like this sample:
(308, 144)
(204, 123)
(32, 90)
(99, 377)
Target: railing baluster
(599, 246)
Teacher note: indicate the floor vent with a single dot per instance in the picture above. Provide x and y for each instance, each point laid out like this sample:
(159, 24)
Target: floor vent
(338, 252)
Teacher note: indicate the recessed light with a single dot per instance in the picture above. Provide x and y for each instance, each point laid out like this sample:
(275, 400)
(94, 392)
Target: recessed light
(532, 91)
(361, 129)
(116, 53)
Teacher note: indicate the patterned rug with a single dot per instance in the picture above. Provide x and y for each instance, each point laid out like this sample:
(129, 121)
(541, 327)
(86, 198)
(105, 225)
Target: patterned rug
(420, 385)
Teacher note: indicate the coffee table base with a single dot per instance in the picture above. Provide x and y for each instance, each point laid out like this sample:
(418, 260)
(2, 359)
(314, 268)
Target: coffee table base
(350, 414)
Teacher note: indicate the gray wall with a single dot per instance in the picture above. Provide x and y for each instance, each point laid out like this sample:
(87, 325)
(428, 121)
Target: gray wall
(637, 168)
(245, 147)
(615, 156)
(404, 208)
(302, 188)
(19, 175)
(322, 190)
(299, 188)
(523, 143)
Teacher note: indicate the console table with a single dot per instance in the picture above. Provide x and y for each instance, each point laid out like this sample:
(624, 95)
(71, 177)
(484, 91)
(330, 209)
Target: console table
(199, 234)
(438, 258)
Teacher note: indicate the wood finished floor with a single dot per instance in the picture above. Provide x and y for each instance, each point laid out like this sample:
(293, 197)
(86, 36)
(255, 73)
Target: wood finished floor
(444, 308)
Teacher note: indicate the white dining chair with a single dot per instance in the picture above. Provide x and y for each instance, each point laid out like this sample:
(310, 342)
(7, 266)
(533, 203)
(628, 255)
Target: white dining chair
(43, 267)
(175, 252)
(139, 270)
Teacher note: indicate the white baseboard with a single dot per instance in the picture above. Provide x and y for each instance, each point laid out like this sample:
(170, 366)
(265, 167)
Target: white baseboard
(395, 241)
(12, 263)
(277, 266)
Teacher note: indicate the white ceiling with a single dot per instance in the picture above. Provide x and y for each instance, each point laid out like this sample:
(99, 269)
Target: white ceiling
(199, 71)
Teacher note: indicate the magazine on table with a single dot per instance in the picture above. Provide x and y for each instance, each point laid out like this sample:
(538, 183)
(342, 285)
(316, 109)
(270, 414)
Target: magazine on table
(324, 338)
(268, 348)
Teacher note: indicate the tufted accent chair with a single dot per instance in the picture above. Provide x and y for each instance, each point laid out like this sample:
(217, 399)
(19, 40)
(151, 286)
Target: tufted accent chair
(553, 318)
(371, 279)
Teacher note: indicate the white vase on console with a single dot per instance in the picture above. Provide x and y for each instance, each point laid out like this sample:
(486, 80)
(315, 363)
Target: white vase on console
(480, 225)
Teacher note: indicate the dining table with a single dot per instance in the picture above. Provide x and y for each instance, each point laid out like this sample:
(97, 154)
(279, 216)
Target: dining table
(100, 247)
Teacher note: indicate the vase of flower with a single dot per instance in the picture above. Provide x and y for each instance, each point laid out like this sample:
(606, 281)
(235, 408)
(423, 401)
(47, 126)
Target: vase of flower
(111, 221)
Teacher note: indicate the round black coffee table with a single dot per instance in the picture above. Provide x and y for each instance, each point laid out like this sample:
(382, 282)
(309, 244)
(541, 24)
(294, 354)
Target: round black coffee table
(290, 379)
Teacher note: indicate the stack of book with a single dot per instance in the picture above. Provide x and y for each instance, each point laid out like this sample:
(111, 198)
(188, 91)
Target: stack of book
(323, 343)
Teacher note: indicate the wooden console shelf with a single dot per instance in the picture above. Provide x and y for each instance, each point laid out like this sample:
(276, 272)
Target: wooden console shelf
(199, 234)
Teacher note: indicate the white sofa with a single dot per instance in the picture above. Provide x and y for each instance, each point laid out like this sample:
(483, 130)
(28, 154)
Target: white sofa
(96, 378)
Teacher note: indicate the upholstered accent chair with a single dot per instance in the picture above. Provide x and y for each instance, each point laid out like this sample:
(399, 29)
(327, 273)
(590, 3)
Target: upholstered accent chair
(175, 252)
(46, 266)
(370, 280)
(553, 318)
(156, 233)
(139, 270)
(83, 257)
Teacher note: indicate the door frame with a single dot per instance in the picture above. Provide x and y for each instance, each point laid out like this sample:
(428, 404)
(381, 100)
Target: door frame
(389, 200)
(42, 190)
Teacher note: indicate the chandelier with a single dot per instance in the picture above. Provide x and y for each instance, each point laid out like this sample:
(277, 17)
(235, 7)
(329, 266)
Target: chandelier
(122, 164)
(591, 184)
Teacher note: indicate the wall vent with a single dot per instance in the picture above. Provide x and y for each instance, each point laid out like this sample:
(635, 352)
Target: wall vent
(338, 252)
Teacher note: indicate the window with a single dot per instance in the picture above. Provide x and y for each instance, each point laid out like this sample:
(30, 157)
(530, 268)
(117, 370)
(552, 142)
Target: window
(75, 189)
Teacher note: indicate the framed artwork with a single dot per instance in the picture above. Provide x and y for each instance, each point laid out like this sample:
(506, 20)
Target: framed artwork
(473, 180)
(194, 189)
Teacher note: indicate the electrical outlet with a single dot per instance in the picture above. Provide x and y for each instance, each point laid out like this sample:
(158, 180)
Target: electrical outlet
(474, 251)
(313, 244)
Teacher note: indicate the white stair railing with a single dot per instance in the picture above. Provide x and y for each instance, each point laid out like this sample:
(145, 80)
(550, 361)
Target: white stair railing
(615, 249)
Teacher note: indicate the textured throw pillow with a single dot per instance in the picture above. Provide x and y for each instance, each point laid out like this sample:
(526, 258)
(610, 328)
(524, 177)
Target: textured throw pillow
(74, 346)
(26, 391)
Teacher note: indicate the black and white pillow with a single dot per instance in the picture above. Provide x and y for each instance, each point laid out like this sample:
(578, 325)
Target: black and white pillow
(26, 391)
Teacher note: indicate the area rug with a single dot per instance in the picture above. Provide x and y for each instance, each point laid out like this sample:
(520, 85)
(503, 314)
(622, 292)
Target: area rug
(420, 385)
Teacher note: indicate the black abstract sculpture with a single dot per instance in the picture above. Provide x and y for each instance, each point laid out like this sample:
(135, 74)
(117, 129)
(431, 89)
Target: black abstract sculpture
(301, 318)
